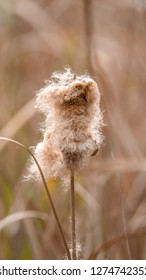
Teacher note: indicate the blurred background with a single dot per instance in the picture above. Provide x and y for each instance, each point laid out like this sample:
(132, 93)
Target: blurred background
(107, 39)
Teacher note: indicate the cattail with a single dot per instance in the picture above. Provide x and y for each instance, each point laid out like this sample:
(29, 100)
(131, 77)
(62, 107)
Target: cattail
(73, 119)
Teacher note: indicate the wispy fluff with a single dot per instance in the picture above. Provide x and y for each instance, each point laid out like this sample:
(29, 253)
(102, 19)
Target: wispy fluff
(73, 120)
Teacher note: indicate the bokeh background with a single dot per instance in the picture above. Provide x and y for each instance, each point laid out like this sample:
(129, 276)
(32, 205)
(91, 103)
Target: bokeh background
(107, 39)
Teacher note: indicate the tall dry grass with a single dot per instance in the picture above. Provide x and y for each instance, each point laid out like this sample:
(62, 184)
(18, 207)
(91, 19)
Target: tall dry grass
(108, 39)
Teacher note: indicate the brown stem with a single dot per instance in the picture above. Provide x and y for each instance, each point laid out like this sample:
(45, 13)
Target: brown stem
(73, 218)
(124, 221)
(47, 191)
(88, 32)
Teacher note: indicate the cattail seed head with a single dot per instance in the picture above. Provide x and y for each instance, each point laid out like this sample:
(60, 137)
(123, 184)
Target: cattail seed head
(71, 105)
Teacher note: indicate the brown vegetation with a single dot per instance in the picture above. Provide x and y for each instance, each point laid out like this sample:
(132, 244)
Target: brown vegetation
(106, 38)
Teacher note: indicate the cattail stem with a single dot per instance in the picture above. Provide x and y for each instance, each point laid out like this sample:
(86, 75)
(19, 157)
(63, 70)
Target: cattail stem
(73, 218)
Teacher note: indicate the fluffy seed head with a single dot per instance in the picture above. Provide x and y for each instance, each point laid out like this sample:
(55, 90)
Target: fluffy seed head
(71, 104)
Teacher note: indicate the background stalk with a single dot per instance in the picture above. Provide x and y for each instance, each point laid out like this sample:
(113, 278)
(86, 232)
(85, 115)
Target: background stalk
(47, 192)
(88, 33)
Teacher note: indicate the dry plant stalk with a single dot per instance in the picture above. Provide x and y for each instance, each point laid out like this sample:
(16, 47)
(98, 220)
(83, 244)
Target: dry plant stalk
(71, 105)
(46, 189)
(73, 218)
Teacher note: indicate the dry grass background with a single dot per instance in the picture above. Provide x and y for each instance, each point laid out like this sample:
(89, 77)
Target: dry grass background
(108, 39)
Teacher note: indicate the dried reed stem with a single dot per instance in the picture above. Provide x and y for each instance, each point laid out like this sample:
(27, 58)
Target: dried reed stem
(73, 218)
(124, 221)
(88, 32)
(47, 191)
